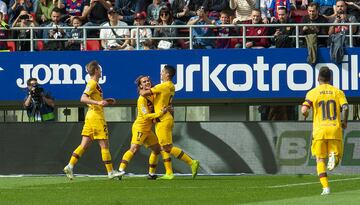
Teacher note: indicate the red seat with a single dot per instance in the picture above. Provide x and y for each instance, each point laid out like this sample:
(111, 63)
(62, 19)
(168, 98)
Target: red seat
(11, 45)
(233, 42)
(92, 45)
(40, 45)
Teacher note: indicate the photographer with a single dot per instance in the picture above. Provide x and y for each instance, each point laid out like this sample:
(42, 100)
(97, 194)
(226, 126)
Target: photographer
(39, 105)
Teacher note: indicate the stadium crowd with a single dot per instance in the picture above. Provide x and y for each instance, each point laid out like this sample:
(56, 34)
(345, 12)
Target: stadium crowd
(55, 14)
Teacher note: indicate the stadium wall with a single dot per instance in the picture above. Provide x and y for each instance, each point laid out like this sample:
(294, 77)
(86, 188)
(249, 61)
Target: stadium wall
(227, 75)
(231, 147)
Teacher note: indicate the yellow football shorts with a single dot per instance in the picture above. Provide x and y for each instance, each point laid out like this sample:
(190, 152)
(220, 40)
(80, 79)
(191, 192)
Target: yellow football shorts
(163, 130)
(96, 129)
(143, 138)
(323, 147)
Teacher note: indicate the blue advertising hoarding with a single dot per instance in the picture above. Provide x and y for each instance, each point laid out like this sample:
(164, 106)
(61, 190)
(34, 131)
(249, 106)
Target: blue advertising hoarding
(240, 74)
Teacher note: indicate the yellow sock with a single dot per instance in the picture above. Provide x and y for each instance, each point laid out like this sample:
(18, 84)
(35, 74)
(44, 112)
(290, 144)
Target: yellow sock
(178, 153)
(106, 157)
(167, 162)
(78, 152)
(126, 159)
(321, 170)
(153, 159)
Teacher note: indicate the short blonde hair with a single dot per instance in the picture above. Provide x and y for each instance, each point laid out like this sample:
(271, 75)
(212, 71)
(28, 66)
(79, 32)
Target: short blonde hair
(91, 67)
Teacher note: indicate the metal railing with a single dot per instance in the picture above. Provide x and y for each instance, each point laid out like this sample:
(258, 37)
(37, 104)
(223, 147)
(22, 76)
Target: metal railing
(190, 37)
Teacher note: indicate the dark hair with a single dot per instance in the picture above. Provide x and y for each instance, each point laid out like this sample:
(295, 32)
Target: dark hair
(91, 67)
(257, 10)
(282, 8)
(313, 4)
(225, 12)
(324, 74)
(56, 10)
(76, 18)
(171, 70)
(28, 82)
(165, 10)
(340, 0)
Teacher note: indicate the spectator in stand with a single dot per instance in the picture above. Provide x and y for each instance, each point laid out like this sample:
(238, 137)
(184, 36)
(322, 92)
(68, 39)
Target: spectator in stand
(43, 13)
(24, 20)
(128, 8)
(314, 17)
(75, 35)
(275, 5)
(165, 18)
(265, 12)
(114, 38)
(224, 31)
(144, 33)
(95, 14)
(215, 7)
(327, 7)
(282, 34)
(243, 9)
(183, 10)
(147, 44)
(4, 33)
(3, 8)
(72, 8)
(199, 32)
(16, 6)
(55, 33)
(153, 11)
(342, 17)
(353, 8)
(255, 31)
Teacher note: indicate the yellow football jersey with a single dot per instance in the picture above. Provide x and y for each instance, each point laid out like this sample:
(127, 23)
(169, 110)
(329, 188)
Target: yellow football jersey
(326, 101)
(93, 90)
(164, 96)
(145, 114)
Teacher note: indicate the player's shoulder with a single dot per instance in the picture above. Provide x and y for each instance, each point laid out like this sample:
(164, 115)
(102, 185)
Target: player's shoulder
(141, 99)
(91, 83)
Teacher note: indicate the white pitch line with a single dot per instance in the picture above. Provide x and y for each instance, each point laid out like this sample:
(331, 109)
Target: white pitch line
(307, 183)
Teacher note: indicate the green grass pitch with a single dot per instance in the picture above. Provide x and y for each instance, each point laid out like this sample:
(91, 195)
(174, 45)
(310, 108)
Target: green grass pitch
(207, 190)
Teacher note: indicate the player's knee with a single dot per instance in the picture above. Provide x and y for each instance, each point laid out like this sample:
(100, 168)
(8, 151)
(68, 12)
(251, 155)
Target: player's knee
(320, 160)
(166, 148)
(134, 148)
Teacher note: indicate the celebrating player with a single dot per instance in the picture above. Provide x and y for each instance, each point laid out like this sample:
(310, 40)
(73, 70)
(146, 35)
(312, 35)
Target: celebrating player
(141, 129)
(95, 127)
(164, 94)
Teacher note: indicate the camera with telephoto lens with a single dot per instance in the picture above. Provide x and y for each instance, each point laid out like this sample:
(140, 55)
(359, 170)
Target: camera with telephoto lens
(36, 93)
